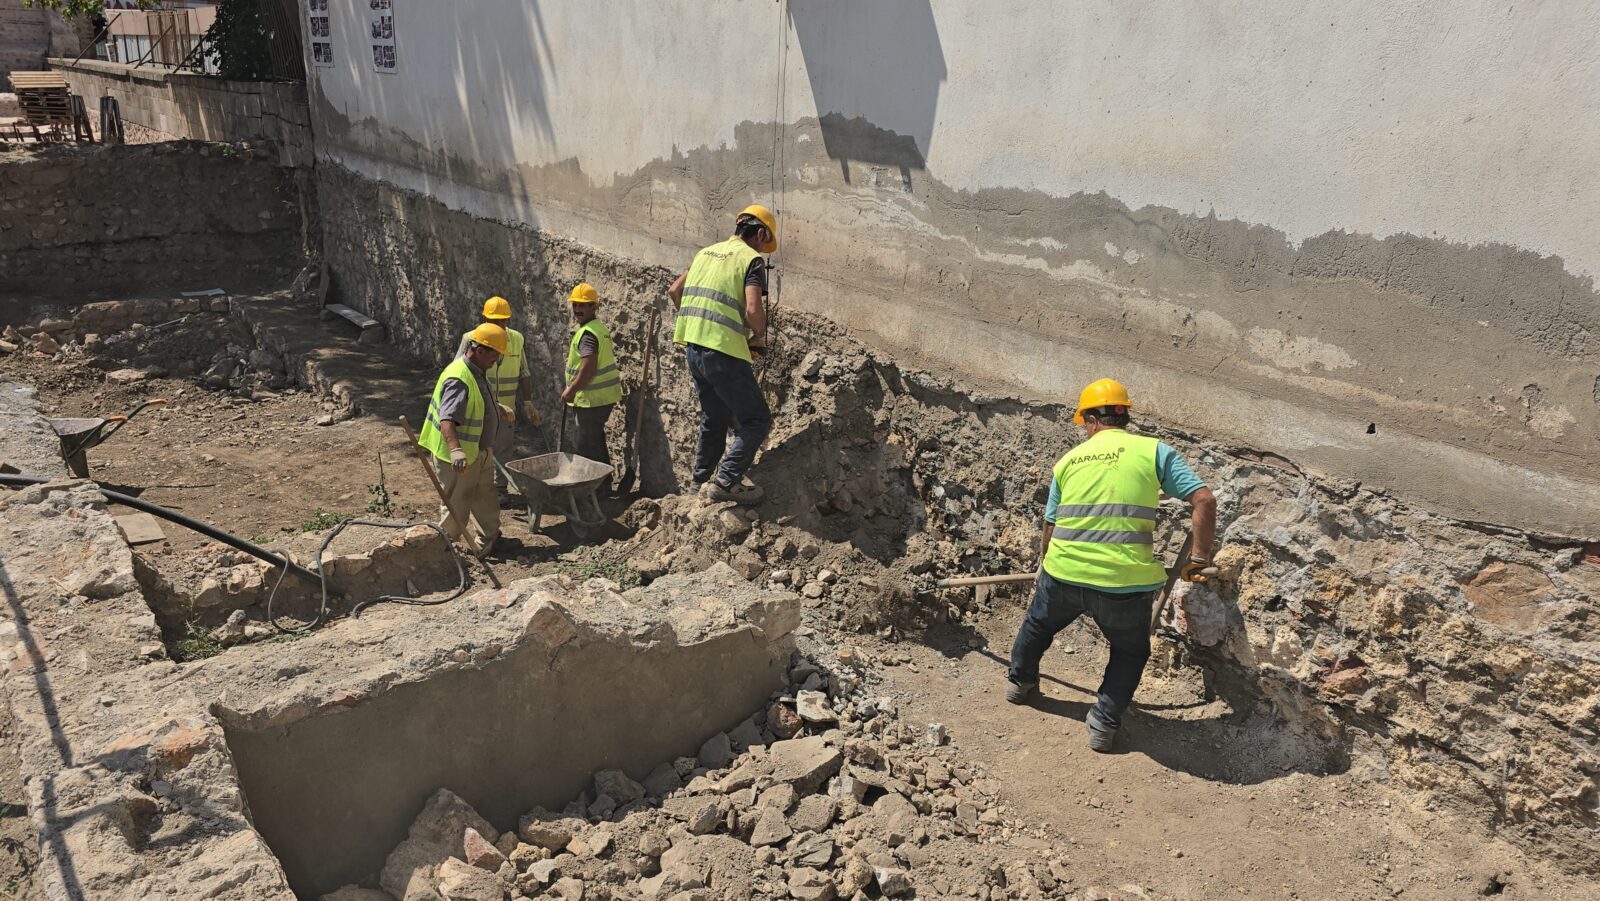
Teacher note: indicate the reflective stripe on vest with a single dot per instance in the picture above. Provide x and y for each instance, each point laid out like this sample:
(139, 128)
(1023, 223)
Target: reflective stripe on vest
(504, 375)
(470, 432)
(712, 311)
(1106, 516)
(606, 385)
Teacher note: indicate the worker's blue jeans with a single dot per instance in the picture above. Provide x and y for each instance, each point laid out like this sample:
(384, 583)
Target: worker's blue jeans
(730, 398)
(1124, 619)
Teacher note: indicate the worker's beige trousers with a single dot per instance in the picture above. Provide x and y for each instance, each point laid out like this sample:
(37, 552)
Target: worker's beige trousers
(471, 491)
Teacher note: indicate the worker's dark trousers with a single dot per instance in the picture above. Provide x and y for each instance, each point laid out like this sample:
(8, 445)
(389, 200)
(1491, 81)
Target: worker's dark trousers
(591, 432)
(1124, 619)
(730, 398)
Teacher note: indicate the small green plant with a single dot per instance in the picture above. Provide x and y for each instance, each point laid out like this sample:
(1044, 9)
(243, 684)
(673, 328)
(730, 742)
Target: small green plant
(322, 519)
(196, 644)
(381, 504)
(590, 568)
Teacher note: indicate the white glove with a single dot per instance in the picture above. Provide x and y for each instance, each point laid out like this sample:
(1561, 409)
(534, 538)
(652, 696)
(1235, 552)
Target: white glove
(458, 458)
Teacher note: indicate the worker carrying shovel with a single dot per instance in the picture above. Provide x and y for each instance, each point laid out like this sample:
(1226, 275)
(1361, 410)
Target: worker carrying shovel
(463, 424)
(508, 379)
(1098, 552)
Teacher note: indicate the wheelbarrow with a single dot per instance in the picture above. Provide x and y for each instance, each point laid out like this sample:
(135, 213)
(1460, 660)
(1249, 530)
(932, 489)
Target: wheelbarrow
(80, 434)
(562, 484)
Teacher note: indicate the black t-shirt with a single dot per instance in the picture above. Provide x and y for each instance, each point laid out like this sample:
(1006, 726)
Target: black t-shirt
(757, 274)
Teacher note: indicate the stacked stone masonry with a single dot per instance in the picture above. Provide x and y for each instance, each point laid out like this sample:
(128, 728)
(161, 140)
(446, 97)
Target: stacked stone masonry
(174, 105)
(177, 215)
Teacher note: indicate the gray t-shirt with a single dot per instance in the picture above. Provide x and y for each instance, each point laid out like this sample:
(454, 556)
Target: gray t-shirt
(453, 405)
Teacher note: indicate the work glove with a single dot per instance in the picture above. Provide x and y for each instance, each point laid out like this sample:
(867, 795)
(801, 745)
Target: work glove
(458, 459)
(1197, 569)
(506, 413)
(529, 414)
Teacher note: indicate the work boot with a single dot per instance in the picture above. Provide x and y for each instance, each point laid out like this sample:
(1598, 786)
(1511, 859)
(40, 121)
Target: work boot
(1101, 735)
(739, 493)
(1021, 692)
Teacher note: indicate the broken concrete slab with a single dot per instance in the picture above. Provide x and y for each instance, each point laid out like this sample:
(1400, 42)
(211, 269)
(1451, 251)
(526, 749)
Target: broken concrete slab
(140, 528)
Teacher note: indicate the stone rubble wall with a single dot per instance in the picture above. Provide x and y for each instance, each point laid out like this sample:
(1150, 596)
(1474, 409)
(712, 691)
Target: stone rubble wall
(171, 105)
(184, 216)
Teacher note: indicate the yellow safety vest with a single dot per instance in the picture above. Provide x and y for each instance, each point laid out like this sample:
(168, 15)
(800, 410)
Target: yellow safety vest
(712, 312)
(606, 385)
(1106, 518)
(471, 431)
(504, 375)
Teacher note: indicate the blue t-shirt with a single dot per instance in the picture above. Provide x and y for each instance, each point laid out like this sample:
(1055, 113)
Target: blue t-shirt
(1177, 480)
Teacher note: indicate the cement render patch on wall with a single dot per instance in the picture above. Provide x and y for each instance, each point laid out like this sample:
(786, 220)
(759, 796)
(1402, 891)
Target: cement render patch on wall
(1110, 227)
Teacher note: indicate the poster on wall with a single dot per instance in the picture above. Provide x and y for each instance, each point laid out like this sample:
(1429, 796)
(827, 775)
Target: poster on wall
(321, 30)
(382, 35)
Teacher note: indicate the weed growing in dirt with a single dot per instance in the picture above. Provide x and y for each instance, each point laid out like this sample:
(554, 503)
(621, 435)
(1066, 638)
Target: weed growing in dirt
(322, 519)
(617, 572)
(196, 644)
(381, 504)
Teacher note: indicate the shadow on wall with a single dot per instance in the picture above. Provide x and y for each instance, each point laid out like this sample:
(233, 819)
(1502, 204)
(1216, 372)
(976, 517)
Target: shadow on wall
(501, 75)
(875, 71)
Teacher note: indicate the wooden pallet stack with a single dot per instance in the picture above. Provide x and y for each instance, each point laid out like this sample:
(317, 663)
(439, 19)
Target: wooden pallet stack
(46, 104)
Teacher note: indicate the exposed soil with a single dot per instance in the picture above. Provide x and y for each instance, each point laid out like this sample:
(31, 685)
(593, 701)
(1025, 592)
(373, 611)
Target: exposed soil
(1197, 801)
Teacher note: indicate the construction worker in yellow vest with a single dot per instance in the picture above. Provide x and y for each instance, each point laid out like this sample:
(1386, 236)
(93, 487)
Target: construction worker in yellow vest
(722, 320)
(1098, 552)
(463, 423)
(593, 383)
(509, 379)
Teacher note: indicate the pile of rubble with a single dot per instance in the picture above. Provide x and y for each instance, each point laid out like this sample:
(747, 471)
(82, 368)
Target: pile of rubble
(825, 794)
(134, 341)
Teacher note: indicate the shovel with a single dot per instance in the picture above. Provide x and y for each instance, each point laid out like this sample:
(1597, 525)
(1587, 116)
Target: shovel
(1164, 600)
(631, 455)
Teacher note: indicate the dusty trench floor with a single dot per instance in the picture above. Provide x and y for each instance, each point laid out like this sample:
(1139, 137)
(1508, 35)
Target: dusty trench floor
(1184, 811)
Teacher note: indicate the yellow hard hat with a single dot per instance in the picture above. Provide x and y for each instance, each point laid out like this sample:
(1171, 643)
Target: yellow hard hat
(766, 218)
(1104, 393)
(496, 308)
(491, 336)
(584, 293)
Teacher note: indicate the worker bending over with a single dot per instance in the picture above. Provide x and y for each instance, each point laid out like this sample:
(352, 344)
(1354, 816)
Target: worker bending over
(593, 383)
(1098, 552)
(509, 380)
(721, 321)
(461, 430)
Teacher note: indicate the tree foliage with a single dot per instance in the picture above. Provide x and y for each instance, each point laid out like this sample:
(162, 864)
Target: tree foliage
(241, 40)
(72, 9)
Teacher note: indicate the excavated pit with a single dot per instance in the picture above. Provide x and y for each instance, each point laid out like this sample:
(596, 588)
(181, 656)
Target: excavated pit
(598, 681)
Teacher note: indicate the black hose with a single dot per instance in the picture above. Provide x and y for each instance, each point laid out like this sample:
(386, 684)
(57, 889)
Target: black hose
(283, 561)
(212, 532)
(322, 611)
